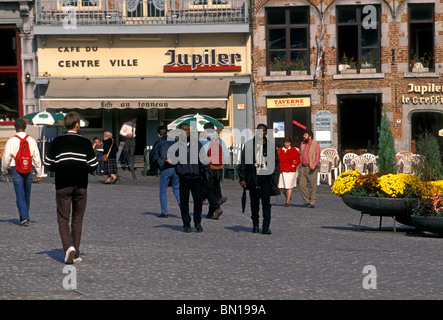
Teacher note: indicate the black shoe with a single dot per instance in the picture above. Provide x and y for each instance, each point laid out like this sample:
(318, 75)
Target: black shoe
(305, 205)
(266, 231)
(199, 227)
(255, 228)
(107, 182)
(187, 229)
(114, 181)
(209, 216)
(162, 215)
(311, 206)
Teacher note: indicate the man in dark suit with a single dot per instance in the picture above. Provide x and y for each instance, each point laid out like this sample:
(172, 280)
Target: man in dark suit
(260, 177)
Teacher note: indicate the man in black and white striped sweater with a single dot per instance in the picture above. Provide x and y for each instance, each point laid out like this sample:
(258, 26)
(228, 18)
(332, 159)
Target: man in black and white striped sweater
(71, 158)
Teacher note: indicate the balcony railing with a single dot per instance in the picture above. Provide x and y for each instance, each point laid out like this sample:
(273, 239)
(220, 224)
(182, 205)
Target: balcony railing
(130, 12)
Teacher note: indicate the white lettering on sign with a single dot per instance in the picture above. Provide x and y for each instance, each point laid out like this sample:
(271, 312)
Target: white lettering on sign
(208, 61)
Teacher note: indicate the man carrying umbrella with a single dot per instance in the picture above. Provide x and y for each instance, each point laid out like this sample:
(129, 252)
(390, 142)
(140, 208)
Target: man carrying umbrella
(22, 181)
(259, 177)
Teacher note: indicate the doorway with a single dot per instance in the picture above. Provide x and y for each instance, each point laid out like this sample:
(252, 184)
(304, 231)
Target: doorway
(140, 137)
(358, 123)
(282, 118)
(431, 122)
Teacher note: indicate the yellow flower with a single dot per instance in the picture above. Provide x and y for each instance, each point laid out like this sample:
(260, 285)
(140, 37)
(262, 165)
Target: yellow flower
(345, 183)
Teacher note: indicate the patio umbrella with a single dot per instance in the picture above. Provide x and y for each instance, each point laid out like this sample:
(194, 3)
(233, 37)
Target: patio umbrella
(45, 118)
(195, 122)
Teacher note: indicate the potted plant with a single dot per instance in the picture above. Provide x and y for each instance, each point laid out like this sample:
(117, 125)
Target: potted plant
(278, 67)
(298, 67)
(385, 193)
(368, 64)
(423, 63)
(347, 65)
(389, 195)
(427, 214)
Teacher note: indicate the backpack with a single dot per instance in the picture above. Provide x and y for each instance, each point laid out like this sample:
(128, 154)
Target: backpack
(215, 155)
(23, 158)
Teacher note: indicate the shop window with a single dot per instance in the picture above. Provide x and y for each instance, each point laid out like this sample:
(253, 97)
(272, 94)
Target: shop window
(10, 84)
(421, 37)
(9, 97)
(358, 38)
(287, 31)
(8, 40)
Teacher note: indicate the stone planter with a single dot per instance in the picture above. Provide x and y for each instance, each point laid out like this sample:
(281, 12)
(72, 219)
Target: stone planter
(368, 70)
(400, 209)
(348, 71)
(430, 224)
(420, 69)
(277, 73)
(299, 72)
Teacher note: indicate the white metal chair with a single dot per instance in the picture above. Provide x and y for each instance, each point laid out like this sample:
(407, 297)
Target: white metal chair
(235, 159)
(368, 156)
(347, 160)
(401, 154)
(360, 163)
(336, 164)
(406, 164)
(372, 165)
(324, 171)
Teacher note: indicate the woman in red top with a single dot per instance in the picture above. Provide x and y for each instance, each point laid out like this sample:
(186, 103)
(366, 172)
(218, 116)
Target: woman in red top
(289, 161)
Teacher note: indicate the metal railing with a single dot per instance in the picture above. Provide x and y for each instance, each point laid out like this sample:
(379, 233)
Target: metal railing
(102, 12)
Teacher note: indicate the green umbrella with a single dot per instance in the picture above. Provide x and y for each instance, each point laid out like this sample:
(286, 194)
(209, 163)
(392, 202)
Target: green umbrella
(45, 118)
(195, 122)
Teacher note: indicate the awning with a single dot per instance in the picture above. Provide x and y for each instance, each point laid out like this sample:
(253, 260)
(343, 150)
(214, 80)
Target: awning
(147, 94)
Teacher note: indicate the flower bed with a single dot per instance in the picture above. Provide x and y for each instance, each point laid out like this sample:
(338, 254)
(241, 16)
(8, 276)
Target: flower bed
(385, 186)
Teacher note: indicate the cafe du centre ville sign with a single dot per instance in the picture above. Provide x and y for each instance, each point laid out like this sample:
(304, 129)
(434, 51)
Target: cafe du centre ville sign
(68, 59)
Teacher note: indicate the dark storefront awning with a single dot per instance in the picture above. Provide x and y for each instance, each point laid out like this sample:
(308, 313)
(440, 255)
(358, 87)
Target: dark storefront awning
(148, 94)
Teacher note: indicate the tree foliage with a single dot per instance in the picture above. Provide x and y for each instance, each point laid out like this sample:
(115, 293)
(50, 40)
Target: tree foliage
(386, 161)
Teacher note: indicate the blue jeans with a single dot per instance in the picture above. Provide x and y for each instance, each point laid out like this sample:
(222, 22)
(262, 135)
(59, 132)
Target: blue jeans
(168, 176)
(22, 187)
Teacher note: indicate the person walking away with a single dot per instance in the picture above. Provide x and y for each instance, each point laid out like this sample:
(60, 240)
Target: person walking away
(98, 147)
(71, 157)
(256, 178)
(191, 173)
(218, 154)
(22, 175)
(289, 161)
(110, 165)
(310, 158)
(158, 158)
(128, 132)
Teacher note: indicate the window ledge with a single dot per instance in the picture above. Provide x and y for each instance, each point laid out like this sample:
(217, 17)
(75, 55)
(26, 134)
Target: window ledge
(289, 78)
(421, 75)
(358, 76)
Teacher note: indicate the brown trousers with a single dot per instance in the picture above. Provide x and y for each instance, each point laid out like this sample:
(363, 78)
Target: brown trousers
(65, 198)
(308, 184)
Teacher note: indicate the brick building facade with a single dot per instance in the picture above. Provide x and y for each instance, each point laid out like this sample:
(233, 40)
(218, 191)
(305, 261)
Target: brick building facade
(377, 56)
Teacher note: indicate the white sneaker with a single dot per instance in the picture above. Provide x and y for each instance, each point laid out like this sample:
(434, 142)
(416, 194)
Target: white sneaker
(69, 257)
(77, 260)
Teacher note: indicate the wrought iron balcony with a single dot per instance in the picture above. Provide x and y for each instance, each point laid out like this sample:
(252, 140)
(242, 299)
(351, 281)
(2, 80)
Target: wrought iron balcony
(140, 12)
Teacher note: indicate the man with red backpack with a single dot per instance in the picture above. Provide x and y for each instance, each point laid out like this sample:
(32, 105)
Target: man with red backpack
(21, 153)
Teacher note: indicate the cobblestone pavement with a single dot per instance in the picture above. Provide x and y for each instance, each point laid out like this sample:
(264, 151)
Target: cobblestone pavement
(130, 253)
